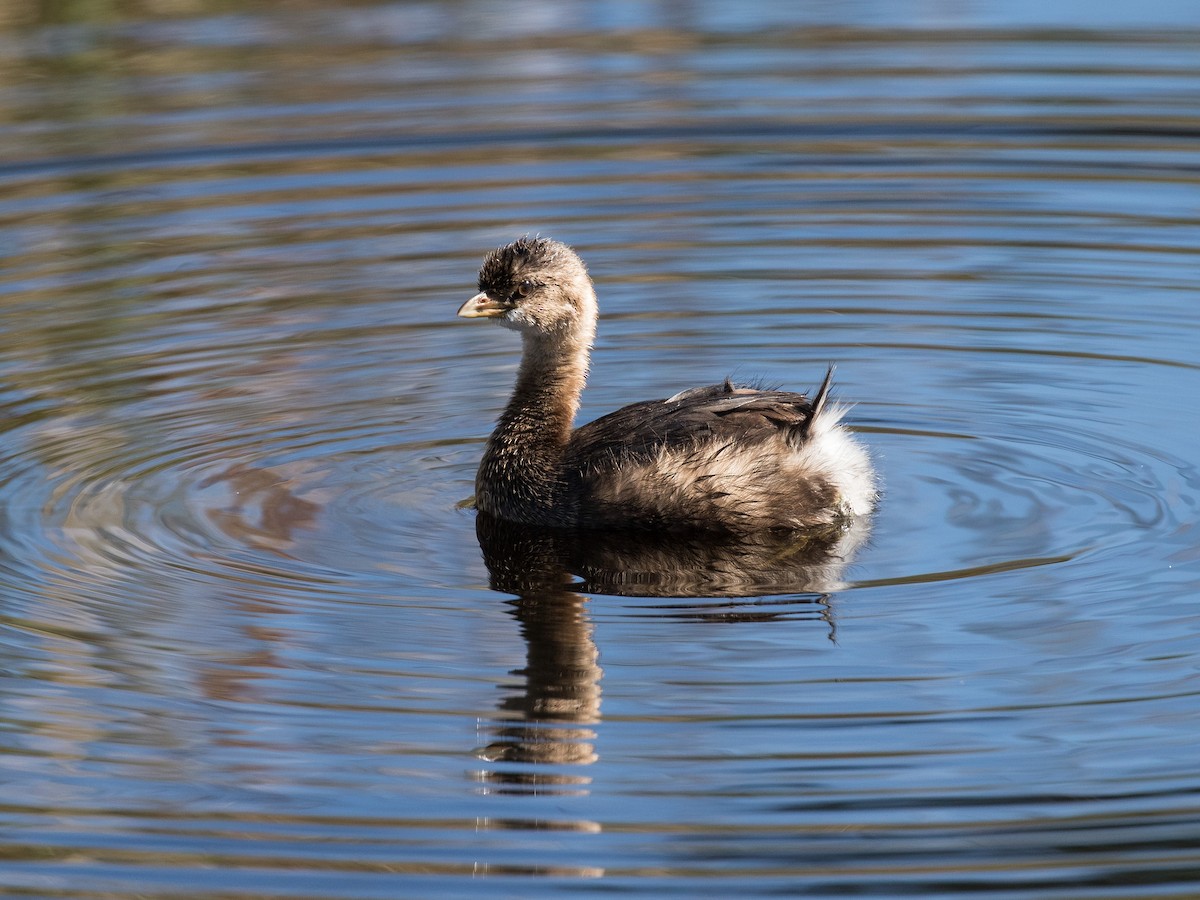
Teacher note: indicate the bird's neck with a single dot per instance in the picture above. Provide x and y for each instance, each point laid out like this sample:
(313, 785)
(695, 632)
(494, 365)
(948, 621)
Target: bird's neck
(520, 477)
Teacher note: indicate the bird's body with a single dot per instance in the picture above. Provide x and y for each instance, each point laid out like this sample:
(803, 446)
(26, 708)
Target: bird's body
(718, 458)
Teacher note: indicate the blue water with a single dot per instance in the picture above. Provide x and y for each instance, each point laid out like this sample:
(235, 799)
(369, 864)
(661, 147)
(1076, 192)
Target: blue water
(250, 642)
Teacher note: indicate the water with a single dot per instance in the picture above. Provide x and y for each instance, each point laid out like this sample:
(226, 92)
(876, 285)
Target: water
(249, 645)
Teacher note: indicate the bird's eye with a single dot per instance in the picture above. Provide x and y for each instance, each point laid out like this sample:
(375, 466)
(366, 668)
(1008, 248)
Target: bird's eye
(525, 288)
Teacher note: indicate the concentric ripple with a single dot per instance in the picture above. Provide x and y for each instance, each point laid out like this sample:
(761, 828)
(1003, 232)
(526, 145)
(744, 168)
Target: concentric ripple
(254, 642)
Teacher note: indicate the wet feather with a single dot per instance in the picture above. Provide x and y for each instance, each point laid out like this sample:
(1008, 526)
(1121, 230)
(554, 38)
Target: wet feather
(719, 457)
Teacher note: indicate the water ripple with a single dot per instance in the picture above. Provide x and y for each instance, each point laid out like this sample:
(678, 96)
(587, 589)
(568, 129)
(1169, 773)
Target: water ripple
(248, 638)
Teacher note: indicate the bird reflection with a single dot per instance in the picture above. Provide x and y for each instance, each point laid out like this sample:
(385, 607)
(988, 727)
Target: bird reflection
(528, 561)
(551, 718)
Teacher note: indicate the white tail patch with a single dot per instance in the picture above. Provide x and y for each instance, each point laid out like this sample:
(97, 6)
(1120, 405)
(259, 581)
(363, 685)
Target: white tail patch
(766, 484)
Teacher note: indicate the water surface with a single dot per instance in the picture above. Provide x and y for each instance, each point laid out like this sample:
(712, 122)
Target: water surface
(250, 641)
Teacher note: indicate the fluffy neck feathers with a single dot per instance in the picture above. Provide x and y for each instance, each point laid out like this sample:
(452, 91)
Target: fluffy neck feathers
(520, 476)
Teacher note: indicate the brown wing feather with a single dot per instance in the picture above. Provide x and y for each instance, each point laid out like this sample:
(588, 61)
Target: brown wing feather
(714, 414)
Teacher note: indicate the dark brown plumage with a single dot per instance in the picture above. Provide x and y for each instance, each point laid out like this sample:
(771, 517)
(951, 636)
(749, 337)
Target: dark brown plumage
(717, 414)
(719, 458)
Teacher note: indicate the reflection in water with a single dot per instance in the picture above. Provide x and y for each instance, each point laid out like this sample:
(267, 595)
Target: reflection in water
(240, 649)
(525, 560)
(279, 510)
(551, 720)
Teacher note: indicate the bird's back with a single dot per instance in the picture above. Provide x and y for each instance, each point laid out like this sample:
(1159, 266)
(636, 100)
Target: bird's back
(718, 413)
(717, 457)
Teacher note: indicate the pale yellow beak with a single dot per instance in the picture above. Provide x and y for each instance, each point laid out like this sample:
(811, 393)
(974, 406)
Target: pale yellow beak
(481, 306)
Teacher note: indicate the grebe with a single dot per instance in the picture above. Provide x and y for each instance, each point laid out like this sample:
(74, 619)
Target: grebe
(717, 458)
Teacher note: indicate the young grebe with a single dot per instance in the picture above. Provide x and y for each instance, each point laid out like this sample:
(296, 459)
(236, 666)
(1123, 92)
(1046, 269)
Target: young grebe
(719, 458)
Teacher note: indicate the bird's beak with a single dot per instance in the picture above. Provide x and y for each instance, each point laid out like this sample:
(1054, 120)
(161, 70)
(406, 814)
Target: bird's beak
(481, 306)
